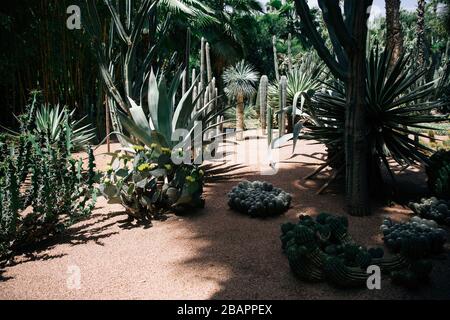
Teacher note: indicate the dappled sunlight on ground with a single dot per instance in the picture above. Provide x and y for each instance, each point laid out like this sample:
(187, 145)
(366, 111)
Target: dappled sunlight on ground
(211, 253)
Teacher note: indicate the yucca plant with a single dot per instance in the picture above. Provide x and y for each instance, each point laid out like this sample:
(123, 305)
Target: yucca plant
(240, 81)
(304, 78)
(52, 119)
(249, 114)
(396, 106)
(302, 83)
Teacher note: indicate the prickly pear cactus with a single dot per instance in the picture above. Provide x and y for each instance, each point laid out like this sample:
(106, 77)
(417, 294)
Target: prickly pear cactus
(148, 184)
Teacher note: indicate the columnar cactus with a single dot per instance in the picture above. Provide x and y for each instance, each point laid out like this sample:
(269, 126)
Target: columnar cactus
(187, 58)
(263, 85)
(202, 71)
(208, 64)
(275, 57)
(290, 52)
(283, 103)
(269, 125)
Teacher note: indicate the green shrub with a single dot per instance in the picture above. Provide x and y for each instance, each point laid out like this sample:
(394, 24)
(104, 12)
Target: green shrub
(148, 183)
(40, 175)
(438, 172)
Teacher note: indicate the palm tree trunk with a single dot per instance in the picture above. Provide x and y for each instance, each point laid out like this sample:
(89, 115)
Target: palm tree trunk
(394, 36)
(240, 117)
(421, 32)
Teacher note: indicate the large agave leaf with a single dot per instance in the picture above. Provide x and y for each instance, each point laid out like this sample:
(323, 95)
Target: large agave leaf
(153, 100)
(139, 118)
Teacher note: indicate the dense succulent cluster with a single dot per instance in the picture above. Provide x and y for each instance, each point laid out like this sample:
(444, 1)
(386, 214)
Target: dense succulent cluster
(258, 199)
(321, 249)
(438, 172)
(415, 239)
(432, 209)
(147, 183)
(43, 189)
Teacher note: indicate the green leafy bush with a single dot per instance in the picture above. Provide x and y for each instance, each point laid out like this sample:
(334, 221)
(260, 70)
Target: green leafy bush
(258, 199)
(148, 183)
(438, 172)
(42, 188)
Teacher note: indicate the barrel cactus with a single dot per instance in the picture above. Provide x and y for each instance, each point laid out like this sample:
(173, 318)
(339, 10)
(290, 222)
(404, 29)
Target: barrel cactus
(433, 209)
(258, 199)
(415, 239)
(321, 249)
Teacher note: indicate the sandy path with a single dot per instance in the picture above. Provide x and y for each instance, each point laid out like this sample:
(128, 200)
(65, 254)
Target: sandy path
(214, 253)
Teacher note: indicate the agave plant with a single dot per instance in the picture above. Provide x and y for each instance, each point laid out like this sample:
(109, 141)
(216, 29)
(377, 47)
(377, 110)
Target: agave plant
(240, 83)
(396, 107)
(167, 115)
(305, 77)
(302, 83)
(51, 119)
(55, 122)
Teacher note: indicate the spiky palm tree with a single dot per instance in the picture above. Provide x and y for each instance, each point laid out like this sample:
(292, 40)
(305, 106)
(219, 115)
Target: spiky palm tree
(240, 81)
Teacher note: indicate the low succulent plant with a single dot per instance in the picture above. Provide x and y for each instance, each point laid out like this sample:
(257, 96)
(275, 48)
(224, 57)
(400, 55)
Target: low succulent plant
(432, 209)
(321, 249)
(147, 183)
(415, 239)
(258, 199)
(438, 172)
(43, 189)
(417, 273)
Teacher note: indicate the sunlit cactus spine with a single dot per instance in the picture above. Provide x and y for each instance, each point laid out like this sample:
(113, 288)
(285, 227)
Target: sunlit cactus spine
(283, 105)
(263, 85)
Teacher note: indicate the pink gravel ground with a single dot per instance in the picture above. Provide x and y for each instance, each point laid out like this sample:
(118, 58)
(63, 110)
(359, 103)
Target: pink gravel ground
(214, 253)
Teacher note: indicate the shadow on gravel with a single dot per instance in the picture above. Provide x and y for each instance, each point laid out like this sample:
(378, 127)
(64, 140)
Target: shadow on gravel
(250, 250)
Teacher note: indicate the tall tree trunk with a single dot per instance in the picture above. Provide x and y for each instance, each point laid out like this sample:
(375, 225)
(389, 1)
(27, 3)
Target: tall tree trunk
(357, 159)
(394, 35)
(421, 32)
(240, 117)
